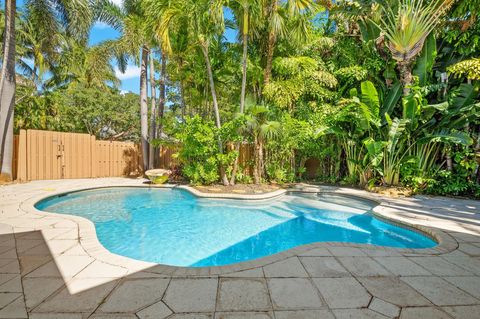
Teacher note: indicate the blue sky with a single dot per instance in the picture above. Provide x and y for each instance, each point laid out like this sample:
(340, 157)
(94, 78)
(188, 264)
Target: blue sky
(130, 79)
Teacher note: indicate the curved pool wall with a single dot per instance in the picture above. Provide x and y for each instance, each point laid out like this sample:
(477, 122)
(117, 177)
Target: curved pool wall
(174, 227)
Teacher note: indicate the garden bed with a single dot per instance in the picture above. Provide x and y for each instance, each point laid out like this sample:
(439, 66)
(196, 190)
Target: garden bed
(238, 189)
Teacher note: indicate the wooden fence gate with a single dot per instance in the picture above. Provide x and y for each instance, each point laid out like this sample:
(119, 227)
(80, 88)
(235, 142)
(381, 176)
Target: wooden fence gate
(56, 155)
(42, 155)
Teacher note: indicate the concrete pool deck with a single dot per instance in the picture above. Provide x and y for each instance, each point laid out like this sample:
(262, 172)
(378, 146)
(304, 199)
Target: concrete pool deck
(52, 266)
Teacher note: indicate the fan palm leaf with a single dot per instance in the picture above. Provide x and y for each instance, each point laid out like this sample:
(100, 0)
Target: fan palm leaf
(406, 29)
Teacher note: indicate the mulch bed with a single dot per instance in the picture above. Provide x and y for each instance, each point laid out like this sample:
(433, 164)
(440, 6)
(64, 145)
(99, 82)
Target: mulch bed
(238, 189)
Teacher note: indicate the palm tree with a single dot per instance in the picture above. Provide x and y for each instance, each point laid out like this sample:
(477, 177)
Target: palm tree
(246, 16)
(82, 65)
(260, 128)
(7, 93)
(165, 16)
(406, 29)
(245, 11)
(75, 16)
(135, 38)
(162, 99)
(275, 12)
(37, 40)
(153, 112)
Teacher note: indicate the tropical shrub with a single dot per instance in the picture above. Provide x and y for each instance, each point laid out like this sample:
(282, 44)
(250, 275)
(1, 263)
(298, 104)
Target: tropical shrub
(199, 150)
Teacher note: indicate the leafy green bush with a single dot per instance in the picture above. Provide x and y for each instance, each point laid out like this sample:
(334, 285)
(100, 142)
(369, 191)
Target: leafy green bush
(461, 181)
(199, 152)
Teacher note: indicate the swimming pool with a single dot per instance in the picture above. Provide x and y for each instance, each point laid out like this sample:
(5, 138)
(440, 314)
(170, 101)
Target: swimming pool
(174, 227)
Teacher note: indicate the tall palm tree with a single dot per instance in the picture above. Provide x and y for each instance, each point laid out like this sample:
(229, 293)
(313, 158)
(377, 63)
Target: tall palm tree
(75, 16)
(165, 16)
(38, 37)
(406, 29)
(87, 66)
(129, 20)
(246, 13)
(275, 12)
(260, 128)
(7, 93)
(153, 113)
(162, 91)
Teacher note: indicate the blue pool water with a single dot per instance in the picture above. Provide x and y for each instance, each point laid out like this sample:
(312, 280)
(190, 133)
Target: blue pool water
(173, 227)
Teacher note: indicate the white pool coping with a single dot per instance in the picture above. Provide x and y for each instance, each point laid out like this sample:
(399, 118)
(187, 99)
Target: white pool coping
(89, 241)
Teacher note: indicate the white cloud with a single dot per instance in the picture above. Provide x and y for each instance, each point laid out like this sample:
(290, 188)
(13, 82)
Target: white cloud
(117, 2)
(131, 72)
(101, 25)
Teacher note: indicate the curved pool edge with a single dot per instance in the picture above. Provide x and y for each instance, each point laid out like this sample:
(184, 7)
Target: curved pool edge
(90, 243)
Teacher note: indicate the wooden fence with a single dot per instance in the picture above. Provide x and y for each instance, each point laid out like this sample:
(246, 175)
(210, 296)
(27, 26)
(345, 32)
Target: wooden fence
(57, 155)
(40, 155)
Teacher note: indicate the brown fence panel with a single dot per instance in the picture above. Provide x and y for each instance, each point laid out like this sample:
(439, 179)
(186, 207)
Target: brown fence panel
(76, 153)
(245, 158)
(42, 155)
(55, 155)
(167, 158)
(115, 158)
(102, 151)
(20, 157)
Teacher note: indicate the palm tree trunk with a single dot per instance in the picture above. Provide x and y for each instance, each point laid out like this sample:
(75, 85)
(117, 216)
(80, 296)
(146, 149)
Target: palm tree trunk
(448, 158)
(258, 163)
(244, 72)
(406, 78)
(260, 159)
(256, 168)
(235, 164)
(183, 104)
(153, 112)
(204, 48)
(7, 93)
(144, 106)
(242, 99)
(272, 38)
(161, 108)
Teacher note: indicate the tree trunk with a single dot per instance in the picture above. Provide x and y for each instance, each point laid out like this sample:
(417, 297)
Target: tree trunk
(235, 164)
(260, 159)
(7, 93)
(272, 38)
(223, 175)
(406, 77)
(183, 105)
(161, 107)
(242, 96)
(144, 106)
(153, 112)
(244, 72)
(256, 168)
(448, 158)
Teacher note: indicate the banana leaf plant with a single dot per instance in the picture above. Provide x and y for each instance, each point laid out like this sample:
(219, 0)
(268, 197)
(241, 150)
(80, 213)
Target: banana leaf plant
(421, 134)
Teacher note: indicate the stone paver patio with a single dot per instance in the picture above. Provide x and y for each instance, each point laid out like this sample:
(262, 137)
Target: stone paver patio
(52, 266)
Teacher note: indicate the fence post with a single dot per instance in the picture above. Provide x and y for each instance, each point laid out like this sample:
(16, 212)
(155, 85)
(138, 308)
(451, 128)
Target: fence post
(22, 156)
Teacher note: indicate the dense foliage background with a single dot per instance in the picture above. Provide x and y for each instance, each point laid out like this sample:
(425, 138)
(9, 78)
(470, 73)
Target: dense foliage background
(306, 79)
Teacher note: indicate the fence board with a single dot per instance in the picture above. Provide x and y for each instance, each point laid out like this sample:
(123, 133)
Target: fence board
(167, 160)
(55, 155)
(21, 157)
(16, 140)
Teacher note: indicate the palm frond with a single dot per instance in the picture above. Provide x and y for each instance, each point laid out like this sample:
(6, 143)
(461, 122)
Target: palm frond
(407, 27)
